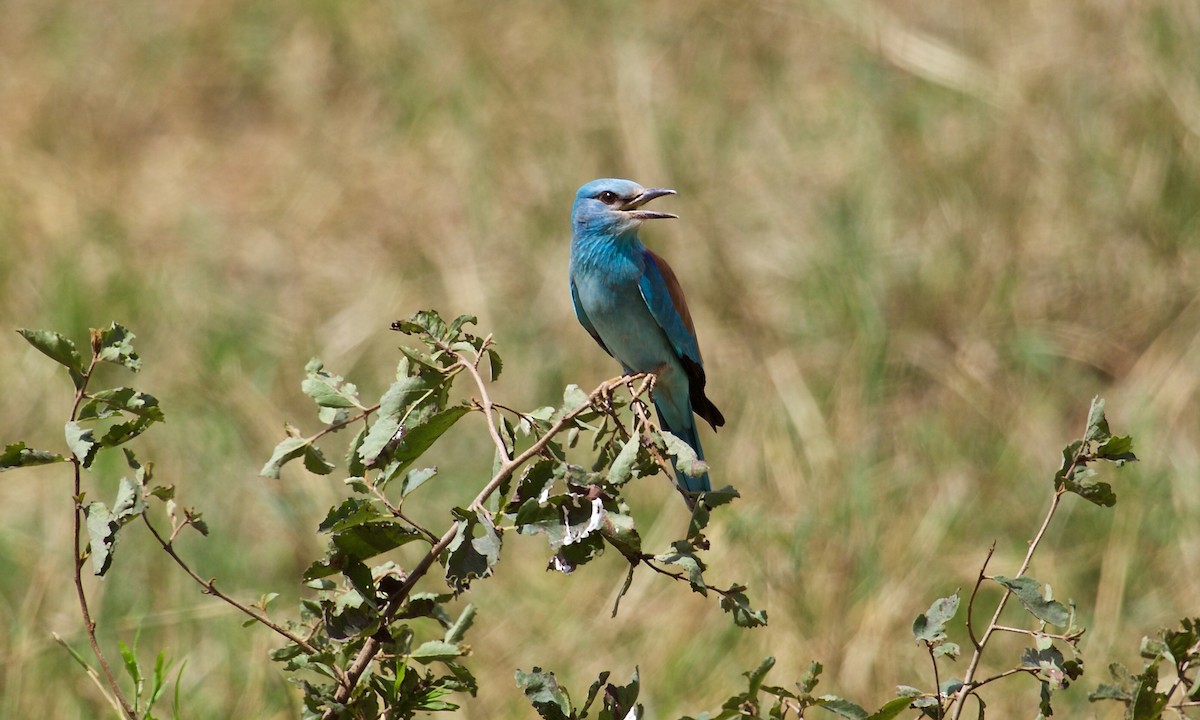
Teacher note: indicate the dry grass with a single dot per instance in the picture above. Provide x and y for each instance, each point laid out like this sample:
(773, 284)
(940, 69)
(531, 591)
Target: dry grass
(918, 237)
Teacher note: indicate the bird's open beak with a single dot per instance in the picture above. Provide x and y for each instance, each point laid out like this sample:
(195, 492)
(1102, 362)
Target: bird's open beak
(647, 195)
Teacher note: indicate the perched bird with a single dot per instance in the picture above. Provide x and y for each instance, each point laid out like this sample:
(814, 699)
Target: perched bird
(629, 300)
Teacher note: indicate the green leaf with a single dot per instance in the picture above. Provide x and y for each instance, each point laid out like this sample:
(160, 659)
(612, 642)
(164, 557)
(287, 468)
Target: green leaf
(683, 557)
(601, 679)
(327, 389)
(82, 443)
(415, 479)
(738, 604)
(102, 533)
(1029, 592)
(129, 659)
(470, 557)
(1147, 703)
(757, 675)
(59, 349)
(1097, 424)
(811, 677)
(685, 456)
(1117, 449)
(17, 455)
(621, 469)
(438, 651)
(123, 399)
(930, 626)
(549, 700)
(350, 513)
(121, 433)
(620, 701)
(421, 437)
(891, 709)
(286, 451)
(1098, 493)
(841, 707)
(456, 631)
(115, 345)
(315, 462)
(496, 364)
(1048, 664)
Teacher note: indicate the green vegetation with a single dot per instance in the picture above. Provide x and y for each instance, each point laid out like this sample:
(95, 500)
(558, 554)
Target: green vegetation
(917, 241)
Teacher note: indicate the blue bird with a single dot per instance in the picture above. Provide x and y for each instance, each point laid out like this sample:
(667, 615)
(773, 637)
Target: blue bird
(630, 301)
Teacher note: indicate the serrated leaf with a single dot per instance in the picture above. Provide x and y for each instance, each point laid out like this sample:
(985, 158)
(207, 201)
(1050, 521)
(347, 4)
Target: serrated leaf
(810, 678)
(930, 626)
(548, 699)
(682, 556)
(59, 349)
(351, 512)
(286, 451)
(17, 455)
(82, 443)
(315, 462)
(114, 344)
(685, 456)
(891, 709)
(841, 707)
(1097, 424)
(1109, 692)
(121, 433)
(1117, 449)
(101, 533)
(415, 479)
(622, 466)
(574, 397)
(123, 399)
(497, 366)
(470, 557)
(326, 389)
(620, 701)
(1029, 592)
(745, 616)
(758, 674)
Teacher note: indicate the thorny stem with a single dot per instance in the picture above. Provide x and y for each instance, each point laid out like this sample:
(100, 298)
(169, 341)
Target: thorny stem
(372, 646)
(78, 558)
(968, 686)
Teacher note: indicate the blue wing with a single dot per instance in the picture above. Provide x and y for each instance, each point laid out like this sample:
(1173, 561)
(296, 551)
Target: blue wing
(583, 318)
(663, 295)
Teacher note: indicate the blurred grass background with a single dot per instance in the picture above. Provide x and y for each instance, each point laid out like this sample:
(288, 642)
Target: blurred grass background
(917, 237)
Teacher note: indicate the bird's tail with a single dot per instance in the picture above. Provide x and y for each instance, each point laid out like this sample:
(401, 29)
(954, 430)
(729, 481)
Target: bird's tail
(687, 432)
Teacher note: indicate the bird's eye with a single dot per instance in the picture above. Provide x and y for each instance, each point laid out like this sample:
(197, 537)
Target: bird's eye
(607, 197)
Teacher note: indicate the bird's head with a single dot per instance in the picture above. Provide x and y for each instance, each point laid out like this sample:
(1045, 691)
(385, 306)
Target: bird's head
(614, 206)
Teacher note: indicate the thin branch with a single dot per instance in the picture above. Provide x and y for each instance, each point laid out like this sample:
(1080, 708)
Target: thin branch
(974, 592)
(1065, 637)
(209, 587)
(937, 683)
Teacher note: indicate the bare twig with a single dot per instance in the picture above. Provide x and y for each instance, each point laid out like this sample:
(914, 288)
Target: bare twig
(209, 587)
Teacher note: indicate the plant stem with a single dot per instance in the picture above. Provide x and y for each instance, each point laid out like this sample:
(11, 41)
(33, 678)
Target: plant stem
(78, 559)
